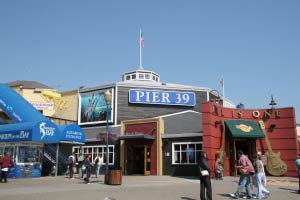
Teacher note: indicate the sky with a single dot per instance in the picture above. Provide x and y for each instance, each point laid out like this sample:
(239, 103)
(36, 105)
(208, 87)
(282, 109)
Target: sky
(253, 45)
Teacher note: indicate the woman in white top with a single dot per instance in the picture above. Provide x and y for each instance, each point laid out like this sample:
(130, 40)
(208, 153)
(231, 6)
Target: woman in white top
(260, 178)
(98, 163)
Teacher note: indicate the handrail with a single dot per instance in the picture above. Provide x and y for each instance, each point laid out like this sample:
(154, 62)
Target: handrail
(61, 156)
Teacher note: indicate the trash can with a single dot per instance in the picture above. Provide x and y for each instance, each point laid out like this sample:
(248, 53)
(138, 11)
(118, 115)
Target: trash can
(115, 176)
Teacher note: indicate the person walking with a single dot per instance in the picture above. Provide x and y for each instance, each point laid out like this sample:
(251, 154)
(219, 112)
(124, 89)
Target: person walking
(98, 161)
(297, 162)
(204, 175)
(6, 162)
(260, 178)
(80, 161)
(245, 168)
(87, 164)
(71, 165)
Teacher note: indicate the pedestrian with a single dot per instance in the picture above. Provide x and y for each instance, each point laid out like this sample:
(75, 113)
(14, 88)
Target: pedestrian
(98, 161)
(297, 162)
(80, 160)
(245, 168)
(71, 165)
(5, 162)
(87, 164)
(260, 178)
(204, 175)
(219, 171)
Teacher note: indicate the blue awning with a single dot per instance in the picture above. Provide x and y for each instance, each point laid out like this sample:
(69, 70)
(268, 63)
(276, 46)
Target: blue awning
(71, 133)
(17, 108)
(41, 131)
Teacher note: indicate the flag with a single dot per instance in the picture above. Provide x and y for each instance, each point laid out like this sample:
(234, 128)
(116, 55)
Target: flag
(142, 40)
(222, 83)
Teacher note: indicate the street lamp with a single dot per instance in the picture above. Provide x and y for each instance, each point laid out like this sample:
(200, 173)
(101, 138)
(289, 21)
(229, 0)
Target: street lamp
(107, 97)
(272, 103)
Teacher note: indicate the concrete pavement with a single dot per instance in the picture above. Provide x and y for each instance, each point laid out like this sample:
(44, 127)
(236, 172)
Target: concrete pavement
(135, 188)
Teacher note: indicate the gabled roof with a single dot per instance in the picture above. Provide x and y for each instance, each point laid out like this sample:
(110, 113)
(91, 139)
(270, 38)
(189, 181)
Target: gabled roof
(28, 84)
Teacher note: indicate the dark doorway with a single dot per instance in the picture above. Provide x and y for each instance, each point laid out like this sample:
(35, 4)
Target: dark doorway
(135, 159)
(245, 146)
(248, 146)
(139, 160)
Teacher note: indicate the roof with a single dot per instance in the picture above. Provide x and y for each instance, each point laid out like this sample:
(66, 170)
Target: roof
(183, 122)
(28, 84)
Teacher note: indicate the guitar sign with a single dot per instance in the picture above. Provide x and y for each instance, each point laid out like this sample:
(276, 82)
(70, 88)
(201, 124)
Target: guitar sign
(275, 166)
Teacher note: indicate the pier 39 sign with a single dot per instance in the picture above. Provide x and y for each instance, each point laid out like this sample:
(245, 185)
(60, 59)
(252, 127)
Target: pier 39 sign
(162, 97)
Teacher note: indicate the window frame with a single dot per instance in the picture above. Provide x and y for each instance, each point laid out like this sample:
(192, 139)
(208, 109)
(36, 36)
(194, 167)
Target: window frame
(181, 151)
(85, 150)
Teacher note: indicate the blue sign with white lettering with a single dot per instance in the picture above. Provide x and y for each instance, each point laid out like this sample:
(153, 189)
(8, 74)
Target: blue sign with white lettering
(43, 131)
(162, 97)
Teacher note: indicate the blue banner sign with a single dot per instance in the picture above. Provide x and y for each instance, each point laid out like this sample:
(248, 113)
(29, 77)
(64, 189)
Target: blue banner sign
(43, 131)
(162, 97)
(71, 133)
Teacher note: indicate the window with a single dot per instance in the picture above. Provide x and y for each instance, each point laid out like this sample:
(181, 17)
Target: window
(186, 153)
(141, 76)
(96, 150)
(29, 154)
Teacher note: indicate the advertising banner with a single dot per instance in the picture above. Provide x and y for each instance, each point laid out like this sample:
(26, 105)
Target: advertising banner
(93, 108)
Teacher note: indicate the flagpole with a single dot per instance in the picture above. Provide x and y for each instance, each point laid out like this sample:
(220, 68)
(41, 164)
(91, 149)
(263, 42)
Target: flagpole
(223, 90)
(140, 43)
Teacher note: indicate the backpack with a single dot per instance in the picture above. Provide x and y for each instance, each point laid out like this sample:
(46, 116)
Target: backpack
(97, 160)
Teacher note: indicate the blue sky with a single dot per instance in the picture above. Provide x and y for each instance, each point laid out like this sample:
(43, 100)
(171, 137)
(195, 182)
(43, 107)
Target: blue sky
(253, 44)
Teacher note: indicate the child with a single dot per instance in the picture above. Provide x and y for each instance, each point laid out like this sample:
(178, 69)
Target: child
(219, 171)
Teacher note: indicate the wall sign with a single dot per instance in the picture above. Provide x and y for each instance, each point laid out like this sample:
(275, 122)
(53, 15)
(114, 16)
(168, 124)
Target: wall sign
(162, 97)
(93, 108)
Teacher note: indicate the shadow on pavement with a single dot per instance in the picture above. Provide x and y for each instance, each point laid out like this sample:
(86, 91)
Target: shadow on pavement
(187, 198)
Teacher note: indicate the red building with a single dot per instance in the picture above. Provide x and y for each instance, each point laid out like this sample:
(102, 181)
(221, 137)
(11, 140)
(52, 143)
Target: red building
(233, 129)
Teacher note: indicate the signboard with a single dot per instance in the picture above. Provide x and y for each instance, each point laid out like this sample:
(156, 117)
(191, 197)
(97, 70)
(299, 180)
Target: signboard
(43, 131)
(43, 105)
(162, 97)
(71, 133)
(93, 108)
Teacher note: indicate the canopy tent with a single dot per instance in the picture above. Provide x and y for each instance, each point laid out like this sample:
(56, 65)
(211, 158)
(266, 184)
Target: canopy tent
(243, 129)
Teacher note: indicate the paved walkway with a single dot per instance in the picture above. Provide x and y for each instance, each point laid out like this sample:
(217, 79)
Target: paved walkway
(134, 188)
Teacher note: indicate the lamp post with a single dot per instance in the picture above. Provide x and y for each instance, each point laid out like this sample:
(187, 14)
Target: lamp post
(107, 97)
(272, 103)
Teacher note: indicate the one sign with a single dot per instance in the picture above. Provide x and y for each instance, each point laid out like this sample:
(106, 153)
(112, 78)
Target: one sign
(162, 97)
